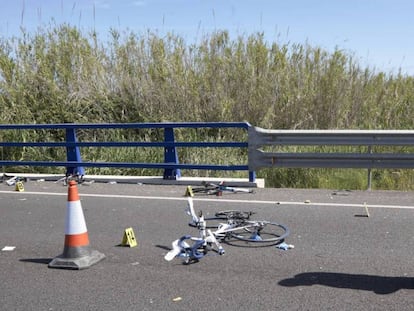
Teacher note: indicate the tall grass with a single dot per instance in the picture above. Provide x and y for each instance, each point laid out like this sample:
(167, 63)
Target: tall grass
(61, 74)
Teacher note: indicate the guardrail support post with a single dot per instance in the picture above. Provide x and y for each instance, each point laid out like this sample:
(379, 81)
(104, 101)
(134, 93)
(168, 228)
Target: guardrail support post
(73, 154)
(170, 155)
(252, 176)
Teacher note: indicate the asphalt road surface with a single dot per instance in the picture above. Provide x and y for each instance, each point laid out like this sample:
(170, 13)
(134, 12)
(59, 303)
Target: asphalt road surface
(342, 260)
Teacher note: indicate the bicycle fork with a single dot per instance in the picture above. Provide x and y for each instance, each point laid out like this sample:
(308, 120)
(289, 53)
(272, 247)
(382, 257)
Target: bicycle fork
(213, 239)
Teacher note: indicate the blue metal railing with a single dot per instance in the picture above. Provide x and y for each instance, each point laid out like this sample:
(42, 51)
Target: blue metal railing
(171, 166)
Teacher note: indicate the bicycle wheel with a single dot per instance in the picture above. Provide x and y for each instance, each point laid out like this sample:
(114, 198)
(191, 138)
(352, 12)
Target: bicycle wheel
(261, 232)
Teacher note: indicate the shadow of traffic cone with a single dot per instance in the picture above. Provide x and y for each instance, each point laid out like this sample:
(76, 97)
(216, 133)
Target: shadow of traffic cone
(77, 253)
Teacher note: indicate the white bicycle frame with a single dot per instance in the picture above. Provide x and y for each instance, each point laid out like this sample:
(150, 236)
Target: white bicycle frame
(206, 236)
(231, 227)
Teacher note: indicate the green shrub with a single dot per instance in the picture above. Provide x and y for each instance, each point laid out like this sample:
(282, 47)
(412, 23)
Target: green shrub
(61, 75)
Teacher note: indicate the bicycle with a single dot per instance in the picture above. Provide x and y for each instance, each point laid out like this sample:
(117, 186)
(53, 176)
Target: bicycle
(237, 226)
(68, 177)
(210, 188)
(13, 180)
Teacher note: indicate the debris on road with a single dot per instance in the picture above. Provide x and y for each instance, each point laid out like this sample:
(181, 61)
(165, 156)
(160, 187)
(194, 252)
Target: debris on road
(284, 246)
(8, 248)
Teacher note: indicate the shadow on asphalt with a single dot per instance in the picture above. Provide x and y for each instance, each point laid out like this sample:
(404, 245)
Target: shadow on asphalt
(378, 284)
(164, 247)
(44, 261)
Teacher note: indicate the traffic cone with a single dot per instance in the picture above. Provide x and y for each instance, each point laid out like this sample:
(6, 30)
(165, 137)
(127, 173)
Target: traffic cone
(77, 253)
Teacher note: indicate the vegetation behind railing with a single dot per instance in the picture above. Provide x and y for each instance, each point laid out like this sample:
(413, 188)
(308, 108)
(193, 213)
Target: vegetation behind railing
(62, 74)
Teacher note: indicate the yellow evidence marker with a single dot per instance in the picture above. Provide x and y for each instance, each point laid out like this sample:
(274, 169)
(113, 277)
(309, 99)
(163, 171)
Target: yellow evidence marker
(129, 238)
(19, 186)
(189, 192)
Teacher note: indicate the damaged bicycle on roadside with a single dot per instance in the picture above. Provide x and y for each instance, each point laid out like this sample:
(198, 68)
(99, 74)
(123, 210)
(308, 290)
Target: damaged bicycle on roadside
(232, 226)
(210, 188)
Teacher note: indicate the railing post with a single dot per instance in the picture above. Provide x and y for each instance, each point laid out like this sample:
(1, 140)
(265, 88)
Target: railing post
(73, 154)
(250, 140)
(170, 155)
(252, 176)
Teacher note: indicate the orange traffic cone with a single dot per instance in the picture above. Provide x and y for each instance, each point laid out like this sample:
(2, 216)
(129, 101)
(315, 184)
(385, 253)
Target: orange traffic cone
(76, 254)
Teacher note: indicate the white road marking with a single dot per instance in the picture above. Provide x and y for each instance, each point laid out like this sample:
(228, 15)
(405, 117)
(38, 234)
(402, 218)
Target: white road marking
(217, 200)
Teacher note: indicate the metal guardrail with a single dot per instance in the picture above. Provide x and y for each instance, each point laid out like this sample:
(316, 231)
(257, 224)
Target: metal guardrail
(259, 138)
(172, 168)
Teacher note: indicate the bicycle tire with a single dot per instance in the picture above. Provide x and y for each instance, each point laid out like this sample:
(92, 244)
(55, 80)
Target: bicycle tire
(269, 232)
